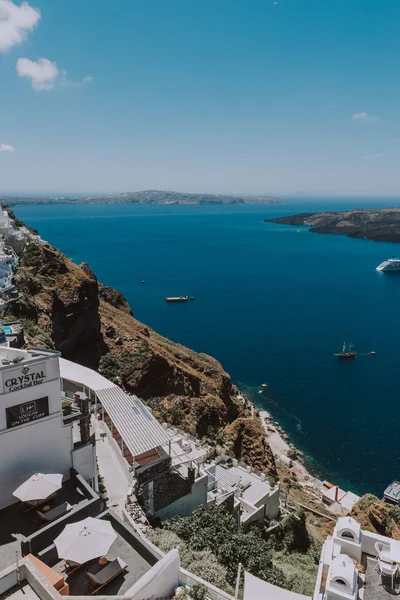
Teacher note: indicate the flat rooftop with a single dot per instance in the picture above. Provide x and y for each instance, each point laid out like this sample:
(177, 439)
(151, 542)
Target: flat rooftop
(22, 592)
(9, 357)
(137, 566)
(235, 478)
(185, 451)
(16, 522)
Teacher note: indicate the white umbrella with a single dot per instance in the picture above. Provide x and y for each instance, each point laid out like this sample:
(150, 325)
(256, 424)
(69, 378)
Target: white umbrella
(85, 540)
(39, 487)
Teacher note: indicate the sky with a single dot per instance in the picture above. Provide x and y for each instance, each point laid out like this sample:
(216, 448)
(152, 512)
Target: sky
(217, 96)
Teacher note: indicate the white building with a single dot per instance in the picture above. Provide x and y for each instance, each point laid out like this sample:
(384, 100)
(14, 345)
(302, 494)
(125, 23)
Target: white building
(33, 435)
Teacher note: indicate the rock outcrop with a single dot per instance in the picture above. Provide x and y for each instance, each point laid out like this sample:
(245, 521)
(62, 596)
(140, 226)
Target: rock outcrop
(374, 515)
(63, 306)
(381, 225)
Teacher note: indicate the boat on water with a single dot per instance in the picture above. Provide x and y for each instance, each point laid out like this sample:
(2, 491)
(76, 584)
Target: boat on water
(391, 495)
(177, 298)
(391, 265)
(347, 354)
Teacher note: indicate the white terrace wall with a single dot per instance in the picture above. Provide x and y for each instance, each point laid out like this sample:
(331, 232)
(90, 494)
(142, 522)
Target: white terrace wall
(272, 505)
(369, 539)
(251, 514)
(213, 592)
(160, 581)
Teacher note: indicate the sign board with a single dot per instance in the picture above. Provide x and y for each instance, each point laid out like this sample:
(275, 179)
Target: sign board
(24, 377)
(20, 414)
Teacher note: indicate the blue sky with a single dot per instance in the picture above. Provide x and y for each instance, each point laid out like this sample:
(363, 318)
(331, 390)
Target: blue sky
(221, 96)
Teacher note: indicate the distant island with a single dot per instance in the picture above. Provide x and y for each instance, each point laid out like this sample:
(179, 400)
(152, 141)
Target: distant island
(381, 225)
(145, 197)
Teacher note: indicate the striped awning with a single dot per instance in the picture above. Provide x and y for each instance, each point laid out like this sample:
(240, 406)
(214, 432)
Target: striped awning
(138, 428)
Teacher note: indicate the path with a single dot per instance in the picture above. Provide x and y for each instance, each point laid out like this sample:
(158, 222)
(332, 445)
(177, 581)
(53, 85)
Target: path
(115, 479)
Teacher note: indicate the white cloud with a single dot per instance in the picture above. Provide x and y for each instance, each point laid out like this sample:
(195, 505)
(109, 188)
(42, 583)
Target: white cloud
(15, 23)
(363, 116)
(374, 155)
(6, 148)
(43, 73)
(87, 79)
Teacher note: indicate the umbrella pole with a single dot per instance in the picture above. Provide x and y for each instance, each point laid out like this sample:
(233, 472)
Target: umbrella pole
(18, 571)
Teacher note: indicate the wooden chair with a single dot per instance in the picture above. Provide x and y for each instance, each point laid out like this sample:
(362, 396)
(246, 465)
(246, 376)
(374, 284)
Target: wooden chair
(53, 514)
(104, 576)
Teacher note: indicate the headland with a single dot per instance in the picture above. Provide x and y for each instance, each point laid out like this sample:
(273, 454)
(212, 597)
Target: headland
(381, 225)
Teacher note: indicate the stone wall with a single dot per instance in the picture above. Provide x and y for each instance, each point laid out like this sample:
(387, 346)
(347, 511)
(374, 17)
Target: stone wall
(162, 491)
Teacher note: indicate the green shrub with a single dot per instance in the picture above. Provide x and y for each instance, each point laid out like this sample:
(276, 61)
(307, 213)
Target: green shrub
(32, 256)
(109, 366)
(216, 530)
(198, 592)
(295, 533)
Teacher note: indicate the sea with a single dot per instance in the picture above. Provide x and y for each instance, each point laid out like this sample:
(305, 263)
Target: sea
(273, 303)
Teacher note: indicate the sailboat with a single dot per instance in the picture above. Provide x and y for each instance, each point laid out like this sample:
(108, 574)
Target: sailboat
(346, 354)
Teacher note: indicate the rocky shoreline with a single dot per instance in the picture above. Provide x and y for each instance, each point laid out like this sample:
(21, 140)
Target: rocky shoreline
(381, 225)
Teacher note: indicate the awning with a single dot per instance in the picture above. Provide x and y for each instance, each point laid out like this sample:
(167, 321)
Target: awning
(137, 426)
(84, 376)
(258, 589)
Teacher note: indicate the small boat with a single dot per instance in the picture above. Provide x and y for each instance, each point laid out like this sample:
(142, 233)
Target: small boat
(347, 354)
(264, 385)
(177, 298)
(143, 282)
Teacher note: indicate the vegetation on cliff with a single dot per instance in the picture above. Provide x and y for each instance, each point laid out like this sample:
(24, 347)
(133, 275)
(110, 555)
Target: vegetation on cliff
(211, 546)
(63, 306)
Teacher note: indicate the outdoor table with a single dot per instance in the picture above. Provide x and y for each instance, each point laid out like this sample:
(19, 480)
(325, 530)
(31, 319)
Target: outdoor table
(46, 508)
(103, 560)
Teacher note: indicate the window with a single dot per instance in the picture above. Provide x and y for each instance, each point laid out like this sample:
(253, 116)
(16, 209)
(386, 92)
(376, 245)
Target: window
(348, 534)
(341, 582)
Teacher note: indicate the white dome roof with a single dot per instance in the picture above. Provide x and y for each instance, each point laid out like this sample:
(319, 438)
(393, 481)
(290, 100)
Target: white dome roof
(350, 525)
(342, 568)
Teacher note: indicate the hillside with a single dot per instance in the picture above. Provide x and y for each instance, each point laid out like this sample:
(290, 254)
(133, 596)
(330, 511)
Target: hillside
(145, 197)
(63, 306)
(381, 225)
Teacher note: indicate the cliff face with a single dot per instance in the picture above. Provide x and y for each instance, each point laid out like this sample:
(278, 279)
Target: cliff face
(63, 306)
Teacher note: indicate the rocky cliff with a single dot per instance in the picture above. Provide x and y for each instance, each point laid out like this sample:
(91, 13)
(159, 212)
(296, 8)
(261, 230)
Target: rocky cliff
(374, 515)
(63, 306)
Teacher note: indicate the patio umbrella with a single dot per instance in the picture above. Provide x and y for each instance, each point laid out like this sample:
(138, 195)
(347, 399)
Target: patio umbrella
(39, 487)
(85, 540)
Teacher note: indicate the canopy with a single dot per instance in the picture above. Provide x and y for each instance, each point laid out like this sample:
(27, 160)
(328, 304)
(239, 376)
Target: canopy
(85, 540)
(39, 487)
(82, 375)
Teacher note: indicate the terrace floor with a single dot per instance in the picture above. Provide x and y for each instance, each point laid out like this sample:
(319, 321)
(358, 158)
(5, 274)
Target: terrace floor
(137, 566)
(377, 587)
(22, 592)
(14, 521)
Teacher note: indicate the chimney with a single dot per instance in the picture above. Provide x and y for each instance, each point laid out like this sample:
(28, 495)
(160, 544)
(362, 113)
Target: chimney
(84, 424)
(336, 493)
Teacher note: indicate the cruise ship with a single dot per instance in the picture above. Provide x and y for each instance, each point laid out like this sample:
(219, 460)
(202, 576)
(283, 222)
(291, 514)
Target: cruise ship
(390, 265)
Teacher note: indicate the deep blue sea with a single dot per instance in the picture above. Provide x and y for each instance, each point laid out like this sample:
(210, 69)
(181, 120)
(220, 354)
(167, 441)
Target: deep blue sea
(273, 303)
